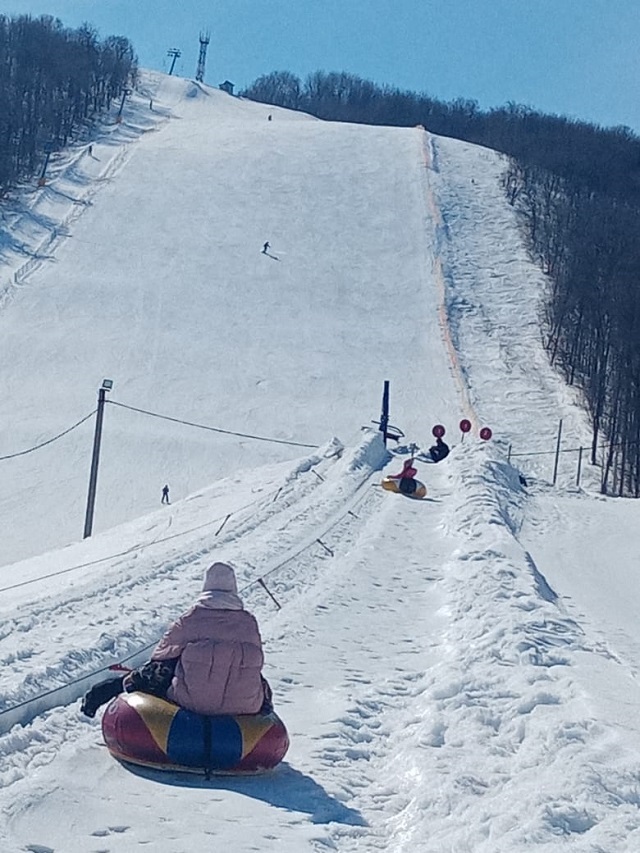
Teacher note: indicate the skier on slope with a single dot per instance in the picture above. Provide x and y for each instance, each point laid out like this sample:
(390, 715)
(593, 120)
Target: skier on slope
(406, 478)
(209, 661)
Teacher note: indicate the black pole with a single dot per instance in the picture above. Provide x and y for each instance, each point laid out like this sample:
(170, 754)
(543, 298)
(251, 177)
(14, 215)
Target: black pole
(559, 439)
(93, 477)
(42, 179)
(384, 417)
(46, 163)
(175, 53)
(579, 466)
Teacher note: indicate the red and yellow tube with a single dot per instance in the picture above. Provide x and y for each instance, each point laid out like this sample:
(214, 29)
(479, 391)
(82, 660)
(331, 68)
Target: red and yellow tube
(143, 729)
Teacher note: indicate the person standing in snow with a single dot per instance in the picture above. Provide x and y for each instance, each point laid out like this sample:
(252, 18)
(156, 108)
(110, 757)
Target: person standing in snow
(406, 478)
(165, 495)
(265, 248)
(209, 661)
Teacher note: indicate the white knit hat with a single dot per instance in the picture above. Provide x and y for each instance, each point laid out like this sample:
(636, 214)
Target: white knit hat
(220, 577)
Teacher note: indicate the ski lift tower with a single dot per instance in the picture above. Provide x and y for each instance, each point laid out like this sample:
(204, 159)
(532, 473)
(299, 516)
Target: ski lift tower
(174, 52)
(202, 58)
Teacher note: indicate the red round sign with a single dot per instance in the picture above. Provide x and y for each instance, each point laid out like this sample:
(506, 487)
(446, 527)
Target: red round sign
(465, 425)
(438, 431)
(485, 433)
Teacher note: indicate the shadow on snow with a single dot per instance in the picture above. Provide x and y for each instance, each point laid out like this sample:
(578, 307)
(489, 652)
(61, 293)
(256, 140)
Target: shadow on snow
(283, 787)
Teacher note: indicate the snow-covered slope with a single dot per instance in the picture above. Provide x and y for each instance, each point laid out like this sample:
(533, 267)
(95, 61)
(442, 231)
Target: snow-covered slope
(454, 673)
(161, 286)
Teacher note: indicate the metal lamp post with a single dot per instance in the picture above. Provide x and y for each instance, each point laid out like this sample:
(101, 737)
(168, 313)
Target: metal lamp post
(107, 385)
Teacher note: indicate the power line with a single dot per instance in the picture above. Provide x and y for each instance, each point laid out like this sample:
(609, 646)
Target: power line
(49, 440)
(137, 547)
(259, 580)
(210, 428)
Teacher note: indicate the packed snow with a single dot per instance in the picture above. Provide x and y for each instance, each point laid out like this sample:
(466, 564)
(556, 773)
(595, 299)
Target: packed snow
(457, 673)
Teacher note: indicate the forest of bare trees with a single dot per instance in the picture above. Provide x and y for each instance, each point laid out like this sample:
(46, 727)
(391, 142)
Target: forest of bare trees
(52, 81)
(577, 188)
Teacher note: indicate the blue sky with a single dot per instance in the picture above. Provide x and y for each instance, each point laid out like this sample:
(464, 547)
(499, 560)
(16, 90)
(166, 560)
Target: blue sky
(575, 57)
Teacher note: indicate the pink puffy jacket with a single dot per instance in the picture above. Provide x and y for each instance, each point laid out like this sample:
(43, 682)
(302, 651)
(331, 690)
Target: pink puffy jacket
(219, 649)
(408, 471)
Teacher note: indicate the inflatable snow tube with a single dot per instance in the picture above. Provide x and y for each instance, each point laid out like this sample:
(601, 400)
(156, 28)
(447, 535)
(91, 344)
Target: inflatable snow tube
(393, 485)
(143, 729)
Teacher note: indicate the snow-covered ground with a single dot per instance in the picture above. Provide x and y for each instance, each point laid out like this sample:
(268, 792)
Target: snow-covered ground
(457, 674)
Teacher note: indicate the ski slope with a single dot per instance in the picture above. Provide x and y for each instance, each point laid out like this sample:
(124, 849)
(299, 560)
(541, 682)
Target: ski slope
(160, 302)
(454, 673)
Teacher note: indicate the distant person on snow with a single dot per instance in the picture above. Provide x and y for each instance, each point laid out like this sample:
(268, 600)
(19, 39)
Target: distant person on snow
(439, 451)
(165, 495)
(209, 661)
(406, 478)
(265, 248)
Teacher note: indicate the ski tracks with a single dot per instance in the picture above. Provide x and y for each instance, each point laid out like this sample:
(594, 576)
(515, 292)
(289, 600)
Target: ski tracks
(99, 621)
(350, 730)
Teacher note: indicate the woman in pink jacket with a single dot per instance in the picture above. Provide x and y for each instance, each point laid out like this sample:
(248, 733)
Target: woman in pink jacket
(408, 471)
(406, 478)
(209, 661)
(218, 651)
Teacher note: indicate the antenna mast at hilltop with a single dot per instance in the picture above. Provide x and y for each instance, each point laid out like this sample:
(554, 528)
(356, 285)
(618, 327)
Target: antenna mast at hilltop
(202, 58)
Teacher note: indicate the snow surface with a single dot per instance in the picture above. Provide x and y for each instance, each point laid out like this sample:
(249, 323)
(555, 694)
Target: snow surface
(457, 674)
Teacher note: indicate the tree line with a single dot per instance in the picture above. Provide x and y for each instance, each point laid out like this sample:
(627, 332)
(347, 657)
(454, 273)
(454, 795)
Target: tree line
(52, 81)
(577, 189)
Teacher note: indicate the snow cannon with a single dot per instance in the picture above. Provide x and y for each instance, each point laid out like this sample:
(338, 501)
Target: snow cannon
(152, 732)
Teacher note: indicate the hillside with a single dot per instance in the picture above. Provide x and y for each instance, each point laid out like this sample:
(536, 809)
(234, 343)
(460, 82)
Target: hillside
(454, 673)
(116, 298)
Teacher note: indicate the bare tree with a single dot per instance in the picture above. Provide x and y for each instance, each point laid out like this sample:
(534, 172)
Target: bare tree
(52, 80)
